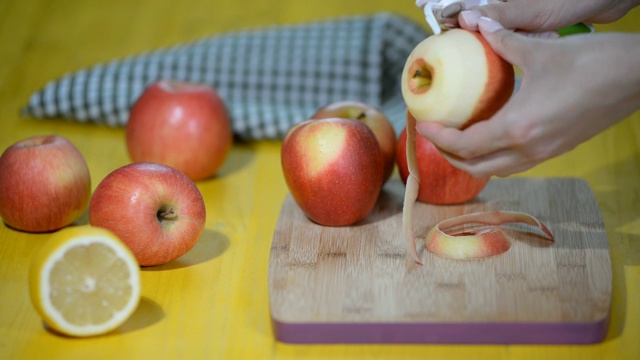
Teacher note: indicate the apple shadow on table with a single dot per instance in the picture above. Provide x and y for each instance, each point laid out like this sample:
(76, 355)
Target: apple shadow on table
(210, 245)
(241, 155)
(41, 233)
(83, 219)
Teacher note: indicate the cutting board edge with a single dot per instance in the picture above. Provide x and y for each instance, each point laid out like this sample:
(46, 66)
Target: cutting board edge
(577, 333)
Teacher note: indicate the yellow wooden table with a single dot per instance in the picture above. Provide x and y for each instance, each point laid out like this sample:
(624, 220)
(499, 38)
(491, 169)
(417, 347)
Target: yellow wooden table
(213, 303)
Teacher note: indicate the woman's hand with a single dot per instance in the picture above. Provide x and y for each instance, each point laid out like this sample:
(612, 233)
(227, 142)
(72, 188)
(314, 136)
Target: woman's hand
(572, 89)
(547, 15)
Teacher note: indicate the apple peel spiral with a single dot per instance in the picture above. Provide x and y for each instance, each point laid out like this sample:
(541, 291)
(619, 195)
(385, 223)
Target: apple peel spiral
(450, 238)
(447, 239)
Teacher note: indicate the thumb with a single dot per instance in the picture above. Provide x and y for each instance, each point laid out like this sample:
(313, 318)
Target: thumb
(513, 15)
(511, 46)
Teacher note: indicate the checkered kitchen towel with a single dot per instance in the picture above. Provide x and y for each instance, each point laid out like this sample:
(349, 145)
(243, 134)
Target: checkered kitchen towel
(269, 78)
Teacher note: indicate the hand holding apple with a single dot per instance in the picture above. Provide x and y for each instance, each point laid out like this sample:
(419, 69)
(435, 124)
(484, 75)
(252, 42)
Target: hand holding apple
(155, 209)
(375, 119)
(440, 182)
(456, 79)
(182, 125)
(44, 184)
(333, 168)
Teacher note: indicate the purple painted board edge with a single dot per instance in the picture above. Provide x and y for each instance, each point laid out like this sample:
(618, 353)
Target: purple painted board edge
(441, 333)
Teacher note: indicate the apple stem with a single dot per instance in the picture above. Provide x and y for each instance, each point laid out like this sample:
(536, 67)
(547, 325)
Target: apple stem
(361, 116)
(166, 214)
(423, 76)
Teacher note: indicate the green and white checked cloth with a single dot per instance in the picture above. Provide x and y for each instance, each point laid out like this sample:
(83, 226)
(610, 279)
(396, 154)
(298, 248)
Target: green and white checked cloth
(269, 78)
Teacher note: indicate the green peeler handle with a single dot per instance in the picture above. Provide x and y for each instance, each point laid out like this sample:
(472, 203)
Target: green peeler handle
(579, 28)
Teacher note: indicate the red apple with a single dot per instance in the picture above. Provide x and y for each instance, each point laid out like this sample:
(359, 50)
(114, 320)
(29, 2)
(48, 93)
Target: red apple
(44, 184)
(333, 169)
(153, 208)
(456, 79)
(375, 119)
(182, 125)
(440, 182)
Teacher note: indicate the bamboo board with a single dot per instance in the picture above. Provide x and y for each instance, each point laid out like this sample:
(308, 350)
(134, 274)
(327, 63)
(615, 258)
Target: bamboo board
(355, 285)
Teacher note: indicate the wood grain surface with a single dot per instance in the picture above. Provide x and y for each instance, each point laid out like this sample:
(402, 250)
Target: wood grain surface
(322, 279)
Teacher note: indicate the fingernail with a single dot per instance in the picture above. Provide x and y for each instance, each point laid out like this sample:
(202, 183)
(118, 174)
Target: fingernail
(470, 18)
(489, 25)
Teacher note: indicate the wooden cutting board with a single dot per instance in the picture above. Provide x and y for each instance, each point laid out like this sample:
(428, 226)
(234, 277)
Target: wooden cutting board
(355, 285)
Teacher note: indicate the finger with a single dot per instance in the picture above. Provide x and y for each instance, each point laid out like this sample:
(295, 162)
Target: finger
(484, 149)
(514, 14)
(481, 138)
(515, 48)
(501, 163)
(430, 129)
(468, 19)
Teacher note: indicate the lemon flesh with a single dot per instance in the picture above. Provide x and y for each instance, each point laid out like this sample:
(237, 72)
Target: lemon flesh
(84, 281)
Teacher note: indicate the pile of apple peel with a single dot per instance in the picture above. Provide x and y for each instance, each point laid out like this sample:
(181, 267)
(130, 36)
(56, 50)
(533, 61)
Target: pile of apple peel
(452, 238)
(448, 239)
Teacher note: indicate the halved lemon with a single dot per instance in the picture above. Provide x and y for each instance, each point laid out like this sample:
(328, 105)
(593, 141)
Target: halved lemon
(84, 281)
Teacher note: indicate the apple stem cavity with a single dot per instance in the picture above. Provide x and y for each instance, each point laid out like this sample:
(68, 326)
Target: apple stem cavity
(37, 141)
(421, 77)
(166, 214)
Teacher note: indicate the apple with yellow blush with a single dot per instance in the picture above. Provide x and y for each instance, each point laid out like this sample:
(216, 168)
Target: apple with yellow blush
(333, 169)
(374, 118)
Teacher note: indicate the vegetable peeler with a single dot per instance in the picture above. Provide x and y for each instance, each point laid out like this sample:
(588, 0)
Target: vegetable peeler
(442, 15)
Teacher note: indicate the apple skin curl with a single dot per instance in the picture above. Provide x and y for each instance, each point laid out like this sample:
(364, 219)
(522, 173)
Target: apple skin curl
(464, 244)
(478, 242)
(412, 188)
